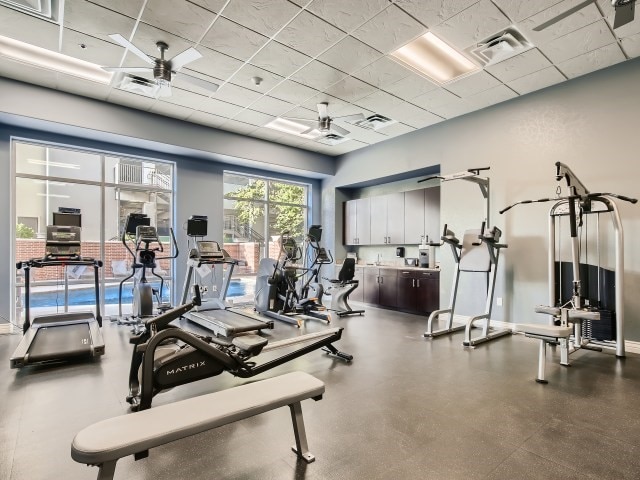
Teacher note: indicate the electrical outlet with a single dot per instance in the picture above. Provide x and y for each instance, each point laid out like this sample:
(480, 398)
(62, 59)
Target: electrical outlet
(499, 301)
(214, 288)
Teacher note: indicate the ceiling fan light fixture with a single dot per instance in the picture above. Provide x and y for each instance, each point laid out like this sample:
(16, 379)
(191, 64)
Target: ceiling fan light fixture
(430, 56)
(289, 126)
(43, 58)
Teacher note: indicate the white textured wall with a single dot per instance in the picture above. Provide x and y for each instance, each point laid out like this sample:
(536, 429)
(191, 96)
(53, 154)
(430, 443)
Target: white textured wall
(590, 123)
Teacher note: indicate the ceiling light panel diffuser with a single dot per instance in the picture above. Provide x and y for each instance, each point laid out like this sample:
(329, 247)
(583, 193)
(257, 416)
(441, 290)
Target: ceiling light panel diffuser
(432, 57)
(288, 126)
(43, 58)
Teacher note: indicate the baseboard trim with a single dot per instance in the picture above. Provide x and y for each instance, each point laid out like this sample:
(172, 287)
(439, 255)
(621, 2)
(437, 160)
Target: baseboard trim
(6, 328)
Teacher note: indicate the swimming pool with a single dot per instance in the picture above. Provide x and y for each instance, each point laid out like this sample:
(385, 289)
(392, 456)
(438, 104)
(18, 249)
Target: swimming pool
(86, 296)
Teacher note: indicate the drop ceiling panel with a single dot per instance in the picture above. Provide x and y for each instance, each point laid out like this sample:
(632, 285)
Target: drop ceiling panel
(171, 110)
(218, 107)
(309, 34)
(246, 73)
(349, 55)
(130, 8)
(631, 45)
(346, 109)
(379, 102)
(211, 5)
(29, 29)
(363, 135)
(579, 19)
(179, 81)
(389, 30)
(396, 129)
(306, 113)
(519, 66)
(411, 115)
(318, 75)
(280, 59)
(215, 64)
(454, 109)
(267, 134)
(434, 98)
(254, 118)
(263, 16)
(346, 147)
(347, 15)
(536, 81)
(185, 98)
(472, 25)
(576, 43)
(95, 20)
(595, 60)
(232, 39)
(293, 92)
(473, 84)
(382, 73)
(272, 106)
(434, 12)
(411, 87)
(518, 10)
(237, 127)
(132, 100)
(178, 17)
(350, 89)
(146, 38)
(237, 95)
(207, 119)
(96, 51)
(492, 96)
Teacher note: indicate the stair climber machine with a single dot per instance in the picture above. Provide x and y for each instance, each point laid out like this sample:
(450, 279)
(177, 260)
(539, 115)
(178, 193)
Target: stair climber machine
(60, 336)
(586, 303)
(479, 251)
(214, 313)
(282, 291)
(166, 356)
(146, 242)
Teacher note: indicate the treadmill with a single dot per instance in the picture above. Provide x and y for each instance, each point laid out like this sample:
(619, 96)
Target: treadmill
(60, 336)
(215, 313)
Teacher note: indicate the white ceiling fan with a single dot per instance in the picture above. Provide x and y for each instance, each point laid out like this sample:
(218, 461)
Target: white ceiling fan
(624, 10)
(324, 125)
(163, 70)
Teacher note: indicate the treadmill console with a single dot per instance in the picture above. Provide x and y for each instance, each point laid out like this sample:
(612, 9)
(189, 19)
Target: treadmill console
(62, 241)
(209, 250)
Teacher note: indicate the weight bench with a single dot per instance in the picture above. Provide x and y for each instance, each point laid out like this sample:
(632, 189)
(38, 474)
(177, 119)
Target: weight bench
(546, 334)
(104, 443)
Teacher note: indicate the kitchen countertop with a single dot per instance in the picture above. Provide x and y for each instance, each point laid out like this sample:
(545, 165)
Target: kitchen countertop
(396, 267)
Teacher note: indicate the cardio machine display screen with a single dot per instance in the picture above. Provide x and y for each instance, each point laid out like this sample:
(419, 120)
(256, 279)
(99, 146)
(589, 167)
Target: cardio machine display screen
(209, 249)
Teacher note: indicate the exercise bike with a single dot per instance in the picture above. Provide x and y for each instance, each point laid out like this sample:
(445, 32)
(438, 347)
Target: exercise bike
(147, 244)
(165, 356)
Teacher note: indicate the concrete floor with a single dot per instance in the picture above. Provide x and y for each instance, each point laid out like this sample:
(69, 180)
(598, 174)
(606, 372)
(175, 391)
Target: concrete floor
(405, 408)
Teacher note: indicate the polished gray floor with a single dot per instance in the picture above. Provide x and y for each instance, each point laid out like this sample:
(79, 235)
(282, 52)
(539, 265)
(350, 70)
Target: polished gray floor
(406, 408)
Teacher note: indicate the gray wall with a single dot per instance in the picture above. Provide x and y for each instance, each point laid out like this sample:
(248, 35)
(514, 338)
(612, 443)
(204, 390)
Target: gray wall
(198, 191)
(589, 123)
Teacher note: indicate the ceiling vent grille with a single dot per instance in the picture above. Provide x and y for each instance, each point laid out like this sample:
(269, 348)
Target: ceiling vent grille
(332, 139)
(501, 46)
(47, 9)
(374, 122)
(138, 85)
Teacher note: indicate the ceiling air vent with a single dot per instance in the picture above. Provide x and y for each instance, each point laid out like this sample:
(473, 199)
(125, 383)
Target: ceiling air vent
(499, 47)
(47, 9)
(332, 139)
(374, 122)
(138, 85)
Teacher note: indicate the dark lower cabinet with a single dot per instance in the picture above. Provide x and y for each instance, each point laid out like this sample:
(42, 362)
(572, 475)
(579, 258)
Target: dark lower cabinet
(388, 285)
(418, 291)
(371, 290)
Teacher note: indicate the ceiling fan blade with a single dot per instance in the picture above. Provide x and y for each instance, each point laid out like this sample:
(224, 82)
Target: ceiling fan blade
(198, 82)
(304, 121)
(309, 130)
(131, 47)
(181, 59)
(128, 69)
(563, 15)
(350, 118)
(165, 90)
(339, 130)
(624, 14)
(323, 110)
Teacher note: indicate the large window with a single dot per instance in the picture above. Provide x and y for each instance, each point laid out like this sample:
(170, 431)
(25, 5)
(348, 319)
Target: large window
(105, 188)
(256, 212)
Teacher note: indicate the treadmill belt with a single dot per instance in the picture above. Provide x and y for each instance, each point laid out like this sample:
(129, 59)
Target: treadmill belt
(55, 343)
(231, 322)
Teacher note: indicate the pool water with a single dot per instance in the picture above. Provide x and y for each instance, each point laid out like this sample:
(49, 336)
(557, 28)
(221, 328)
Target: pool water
(86, 296)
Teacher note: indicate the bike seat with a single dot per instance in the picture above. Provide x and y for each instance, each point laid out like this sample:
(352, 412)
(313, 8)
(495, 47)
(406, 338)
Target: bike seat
(250, 344)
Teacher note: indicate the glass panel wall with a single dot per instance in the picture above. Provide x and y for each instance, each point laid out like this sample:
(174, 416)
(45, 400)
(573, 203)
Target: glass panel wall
(105, 188)
(256, 212)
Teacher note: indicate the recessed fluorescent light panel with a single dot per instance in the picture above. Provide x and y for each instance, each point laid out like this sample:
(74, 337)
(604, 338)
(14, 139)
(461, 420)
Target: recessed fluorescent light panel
(432, 57)
(288, 126)
(43, 58)
(40, 8)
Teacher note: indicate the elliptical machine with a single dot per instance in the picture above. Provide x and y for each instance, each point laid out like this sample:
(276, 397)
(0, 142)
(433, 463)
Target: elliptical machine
(144, 258)
(165, 356)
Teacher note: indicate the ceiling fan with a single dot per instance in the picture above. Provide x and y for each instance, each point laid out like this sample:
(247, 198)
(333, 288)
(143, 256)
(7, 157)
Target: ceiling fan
(163, 70)
(625, 12)
(324, 125)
